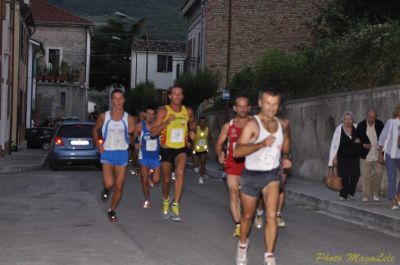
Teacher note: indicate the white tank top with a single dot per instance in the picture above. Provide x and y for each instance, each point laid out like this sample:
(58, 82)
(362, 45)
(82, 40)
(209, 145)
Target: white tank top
(115, 133)
(266, 158)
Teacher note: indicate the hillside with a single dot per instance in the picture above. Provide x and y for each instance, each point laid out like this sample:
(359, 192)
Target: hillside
(163, 18)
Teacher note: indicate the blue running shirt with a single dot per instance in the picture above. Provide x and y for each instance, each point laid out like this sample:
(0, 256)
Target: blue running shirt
(150, 146)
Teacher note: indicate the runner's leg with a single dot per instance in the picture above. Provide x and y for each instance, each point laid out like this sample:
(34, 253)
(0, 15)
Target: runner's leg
(271, 194)
(249, 205)
(166, 172)
(203, 160)
(144, 177)
(234, 203)
(120, 175)
(180, 163)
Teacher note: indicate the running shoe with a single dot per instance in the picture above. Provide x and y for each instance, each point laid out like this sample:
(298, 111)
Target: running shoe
(112, 215)
(241, 254)
(201, 180)
(166, 212)
(376, 198)
(236, 232)
(147, 204)
(269, 260)
(196, 169)
(173, 176)
(105, 195)
(280, 221)
(258, 222)
(175, 212)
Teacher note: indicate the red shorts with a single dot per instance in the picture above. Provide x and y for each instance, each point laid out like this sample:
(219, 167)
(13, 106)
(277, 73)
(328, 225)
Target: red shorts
(234, 168)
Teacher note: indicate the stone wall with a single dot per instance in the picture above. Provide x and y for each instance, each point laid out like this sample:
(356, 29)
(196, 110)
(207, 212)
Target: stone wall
(256, 26)
(49, 106)
(313, 121)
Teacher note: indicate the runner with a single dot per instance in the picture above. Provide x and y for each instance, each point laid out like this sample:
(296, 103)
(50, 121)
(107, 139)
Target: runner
(149, 153)
(115, 125)
(173, 122)
(263, 140)
(201, 143)
(233, 166)
(135, 170)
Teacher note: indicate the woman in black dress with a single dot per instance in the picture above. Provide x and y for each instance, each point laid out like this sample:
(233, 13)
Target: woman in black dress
(347, 158)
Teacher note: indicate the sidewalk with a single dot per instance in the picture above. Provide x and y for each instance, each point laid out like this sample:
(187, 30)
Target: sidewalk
(24, 160)
(315, 195)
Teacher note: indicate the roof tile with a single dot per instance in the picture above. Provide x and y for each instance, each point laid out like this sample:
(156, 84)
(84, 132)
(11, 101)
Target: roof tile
(159, 46)
(45, 13)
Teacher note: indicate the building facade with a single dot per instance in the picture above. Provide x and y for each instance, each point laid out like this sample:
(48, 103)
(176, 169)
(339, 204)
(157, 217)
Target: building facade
(62, 74)
(16, 26)
(161, 62)
(230, 35)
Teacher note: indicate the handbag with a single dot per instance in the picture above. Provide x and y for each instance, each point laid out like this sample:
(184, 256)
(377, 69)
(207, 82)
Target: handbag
(332, 179)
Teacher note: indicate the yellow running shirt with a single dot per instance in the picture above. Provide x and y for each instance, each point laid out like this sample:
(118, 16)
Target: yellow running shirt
(200, 142)
(175, 135)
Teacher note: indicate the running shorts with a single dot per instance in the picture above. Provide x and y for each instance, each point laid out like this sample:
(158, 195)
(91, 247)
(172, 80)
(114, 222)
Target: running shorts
(114, 157)
(253, 182)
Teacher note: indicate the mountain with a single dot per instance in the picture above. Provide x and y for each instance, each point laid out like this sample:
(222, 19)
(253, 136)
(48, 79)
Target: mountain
(163, 17)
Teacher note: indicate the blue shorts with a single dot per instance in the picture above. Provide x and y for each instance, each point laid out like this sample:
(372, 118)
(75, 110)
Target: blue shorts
(150, 163)
(114, 157)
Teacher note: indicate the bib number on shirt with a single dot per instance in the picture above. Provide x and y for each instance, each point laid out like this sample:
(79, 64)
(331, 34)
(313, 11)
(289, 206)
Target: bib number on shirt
(202, 142)
(151, 145)
(177, 136)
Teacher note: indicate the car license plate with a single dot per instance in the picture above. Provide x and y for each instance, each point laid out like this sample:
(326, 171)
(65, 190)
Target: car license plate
(79, 142)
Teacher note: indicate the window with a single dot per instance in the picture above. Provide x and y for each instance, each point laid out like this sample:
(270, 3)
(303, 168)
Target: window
(63, 96)
(54, 58)
(164, 63)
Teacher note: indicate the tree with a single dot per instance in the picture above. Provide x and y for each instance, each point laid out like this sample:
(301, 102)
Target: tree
(198, 87)
(142, 96)
(339, 16)
(111, 51)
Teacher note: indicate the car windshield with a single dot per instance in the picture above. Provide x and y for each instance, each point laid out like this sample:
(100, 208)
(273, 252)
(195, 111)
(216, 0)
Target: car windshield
(76, 131)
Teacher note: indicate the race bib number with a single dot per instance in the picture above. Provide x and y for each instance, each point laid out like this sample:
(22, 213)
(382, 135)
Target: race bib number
(202, 142)
(268, 158)
(177, 136)
(151, 145)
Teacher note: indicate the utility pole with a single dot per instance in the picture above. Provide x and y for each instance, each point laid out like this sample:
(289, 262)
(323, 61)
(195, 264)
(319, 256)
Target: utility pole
(228, 57)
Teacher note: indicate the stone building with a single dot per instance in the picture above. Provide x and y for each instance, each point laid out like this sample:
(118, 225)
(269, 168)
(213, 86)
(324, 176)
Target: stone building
(62, 74)
(230, 35)
(16, 27)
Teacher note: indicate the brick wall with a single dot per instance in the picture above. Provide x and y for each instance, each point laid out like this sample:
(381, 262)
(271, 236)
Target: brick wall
(256, 26)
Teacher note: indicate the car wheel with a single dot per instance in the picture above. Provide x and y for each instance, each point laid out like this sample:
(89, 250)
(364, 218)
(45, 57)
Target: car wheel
(46, 146)
(53, 164)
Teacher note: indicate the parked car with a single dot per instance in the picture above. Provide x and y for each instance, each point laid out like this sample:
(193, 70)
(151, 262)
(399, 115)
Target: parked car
(73, 144)
(39, 137)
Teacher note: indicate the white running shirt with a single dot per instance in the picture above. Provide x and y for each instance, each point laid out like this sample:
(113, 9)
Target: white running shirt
(115, 133)
(266, 158)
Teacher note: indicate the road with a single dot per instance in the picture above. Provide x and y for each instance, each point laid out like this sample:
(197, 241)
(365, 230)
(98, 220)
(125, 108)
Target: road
(55, 218)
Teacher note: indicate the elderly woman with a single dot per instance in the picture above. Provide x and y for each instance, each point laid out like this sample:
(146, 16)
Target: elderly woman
(345, 154)
(389, 143)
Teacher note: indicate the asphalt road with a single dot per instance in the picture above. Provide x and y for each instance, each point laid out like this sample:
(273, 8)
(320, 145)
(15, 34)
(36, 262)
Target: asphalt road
(52, 218)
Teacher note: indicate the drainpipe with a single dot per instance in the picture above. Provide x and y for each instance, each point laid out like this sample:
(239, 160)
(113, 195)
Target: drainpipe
(228, 56)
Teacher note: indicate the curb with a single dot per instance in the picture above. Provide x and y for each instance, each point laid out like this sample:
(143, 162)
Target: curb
(21, 168)
(346, 212)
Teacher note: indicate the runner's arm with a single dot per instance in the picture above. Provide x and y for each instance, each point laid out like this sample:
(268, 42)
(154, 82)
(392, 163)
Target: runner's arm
(159, 124)
(245, 146)
(137, 132)
(131, 128)
(96, 129)
(286, 146)
(223, 135)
